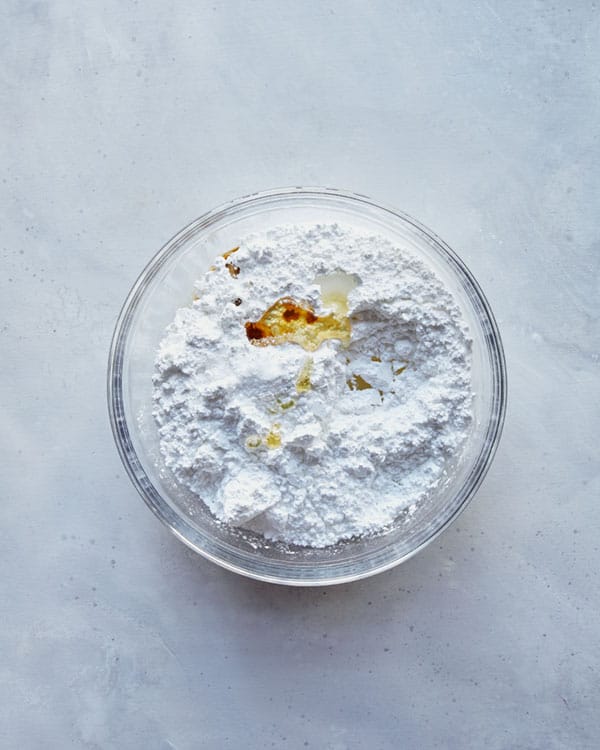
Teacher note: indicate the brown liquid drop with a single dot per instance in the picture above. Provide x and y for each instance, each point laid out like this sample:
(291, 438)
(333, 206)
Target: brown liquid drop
(233, 269)
(230, 252)
(289, 321)
(358, 383)
(290, 314)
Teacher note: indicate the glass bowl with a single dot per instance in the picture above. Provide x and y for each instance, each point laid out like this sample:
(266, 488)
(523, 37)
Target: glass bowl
(167, 284)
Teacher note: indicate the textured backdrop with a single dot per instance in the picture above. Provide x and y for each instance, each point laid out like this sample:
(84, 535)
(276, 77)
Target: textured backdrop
(122, 121)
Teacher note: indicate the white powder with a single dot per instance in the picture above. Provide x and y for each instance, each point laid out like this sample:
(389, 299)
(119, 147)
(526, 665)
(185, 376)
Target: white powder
(310, 447)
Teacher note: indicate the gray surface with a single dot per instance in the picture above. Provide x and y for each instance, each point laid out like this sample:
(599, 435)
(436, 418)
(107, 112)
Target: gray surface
(122, 122)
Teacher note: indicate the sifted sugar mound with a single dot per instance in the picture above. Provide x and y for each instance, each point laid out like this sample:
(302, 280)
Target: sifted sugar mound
(316, 387)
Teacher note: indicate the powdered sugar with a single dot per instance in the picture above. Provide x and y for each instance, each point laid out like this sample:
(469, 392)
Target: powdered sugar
(312, 444)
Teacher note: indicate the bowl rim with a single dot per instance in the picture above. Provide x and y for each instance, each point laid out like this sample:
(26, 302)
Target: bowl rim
(130, 459)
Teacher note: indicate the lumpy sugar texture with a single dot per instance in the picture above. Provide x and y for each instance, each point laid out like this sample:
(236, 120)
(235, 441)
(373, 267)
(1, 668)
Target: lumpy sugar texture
(317, 386)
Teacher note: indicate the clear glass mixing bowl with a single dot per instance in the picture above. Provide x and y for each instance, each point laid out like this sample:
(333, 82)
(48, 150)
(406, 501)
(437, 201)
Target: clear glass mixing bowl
(167, 283)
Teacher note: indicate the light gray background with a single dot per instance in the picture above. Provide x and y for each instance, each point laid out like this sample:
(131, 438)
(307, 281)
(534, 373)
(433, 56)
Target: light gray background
(122, 121)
